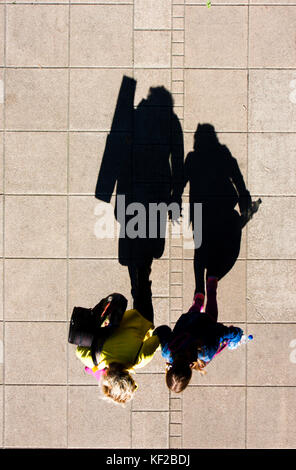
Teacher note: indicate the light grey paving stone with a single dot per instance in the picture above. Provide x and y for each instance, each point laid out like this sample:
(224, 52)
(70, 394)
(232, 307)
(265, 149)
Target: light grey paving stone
(37, 1)
(1, 416)
(35, 226)
(214, 417)
(272, 101)
(86, 150)
(1, 158)
(210, 99)
(35, 162)
(156, 365)
(95, 26)
(175, 443)
(199, 2)
(35, 416)
(271, 232)
(178, 11)
(175, 429)
(271, 354)
(1, 223)
(161, 310)
(147, 78)
(150, 430)
(76, 372)
(35, 289)
(1, 98)
(152, 14)
(93, 229)
(274, 2)
(271, 164)
(1, 290)
(175, 404)
(42, 348)
(102, 1)
(1, 355)
(152, 393)
(271, 291)
(89, 414)
(91, 280)
(36, 99)
(271, 417)
(37, 35)
(148, 56)
(2, 20)
(176, 417)
(216, 37)
(271, 33)
(93, 96)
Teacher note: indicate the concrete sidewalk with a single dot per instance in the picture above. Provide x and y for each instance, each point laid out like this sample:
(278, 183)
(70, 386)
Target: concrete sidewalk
(231, 64)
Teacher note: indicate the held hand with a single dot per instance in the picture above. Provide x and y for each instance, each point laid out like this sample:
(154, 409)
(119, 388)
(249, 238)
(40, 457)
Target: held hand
(245, 203)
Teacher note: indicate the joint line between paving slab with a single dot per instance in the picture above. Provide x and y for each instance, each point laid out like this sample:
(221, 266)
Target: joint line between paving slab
(143, 67)
(242, 386)
(3, 230)
(253, 322)
(180, 66)
(105, 131)
(169, 222)
(170, 230)
(163, 296)
(200, 4)
(68, 215)
(90, 195)
(133, 74)
(246, 262)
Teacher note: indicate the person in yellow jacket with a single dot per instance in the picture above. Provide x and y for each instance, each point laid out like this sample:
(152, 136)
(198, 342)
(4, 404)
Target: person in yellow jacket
(130, 346)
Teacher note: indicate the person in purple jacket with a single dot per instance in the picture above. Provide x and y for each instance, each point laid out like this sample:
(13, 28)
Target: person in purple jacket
(195, 340)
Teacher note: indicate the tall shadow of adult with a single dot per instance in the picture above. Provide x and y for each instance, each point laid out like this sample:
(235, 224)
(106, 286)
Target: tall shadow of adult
(144, 159)
(216, 182)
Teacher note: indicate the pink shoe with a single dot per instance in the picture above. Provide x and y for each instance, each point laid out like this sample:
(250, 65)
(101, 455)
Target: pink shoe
(198, 302)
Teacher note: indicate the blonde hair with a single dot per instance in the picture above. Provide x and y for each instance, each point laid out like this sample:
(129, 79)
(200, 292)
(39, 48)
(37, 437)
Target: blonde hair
(199, 365)
(118, 385)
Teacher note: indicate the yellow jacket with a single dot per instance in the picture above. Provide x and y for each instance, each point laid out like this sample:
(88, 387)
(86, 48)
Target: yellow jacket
(131, 344)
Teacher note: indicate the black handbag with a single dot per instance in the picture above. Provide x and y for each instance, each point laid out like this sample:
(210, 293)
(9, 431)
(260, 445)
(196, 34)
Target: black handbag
(86, 323)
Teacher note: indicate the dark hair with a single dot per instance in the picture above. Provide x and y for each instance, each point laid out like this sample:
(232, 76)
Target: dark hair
(178, 376)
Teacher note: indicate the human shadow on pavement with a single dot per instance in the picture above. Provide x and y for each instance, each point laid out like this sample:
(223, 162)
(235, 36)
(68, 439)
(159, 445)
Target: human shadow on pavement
(217, 183)
(144, 160)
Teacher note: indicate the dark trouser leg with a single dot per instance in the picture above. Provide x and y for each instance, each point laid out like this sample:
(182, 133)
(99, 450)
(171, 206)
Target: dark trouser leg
(141, 288)
(212, 306)
(199, 270)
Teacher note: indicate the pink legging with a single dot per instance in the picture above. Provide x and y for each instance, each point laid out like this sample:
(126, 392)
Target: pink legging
(211, 306)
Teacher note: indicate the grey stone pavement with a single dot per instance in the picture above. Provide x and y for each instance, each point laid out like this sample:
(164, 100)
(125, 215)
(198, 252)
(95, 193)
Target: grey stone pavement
(232, 64)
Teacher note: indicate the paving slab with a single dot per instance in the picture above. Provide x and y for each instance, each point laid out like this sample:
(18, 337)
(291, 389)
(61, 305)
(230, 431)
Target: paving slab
(231, 64)
(270, 417)
(214, 417)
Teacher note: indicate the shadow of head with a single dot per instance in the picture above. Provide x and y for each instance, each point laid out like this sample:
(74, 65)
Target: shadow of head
(159, 96)
(205, 136)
